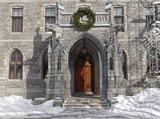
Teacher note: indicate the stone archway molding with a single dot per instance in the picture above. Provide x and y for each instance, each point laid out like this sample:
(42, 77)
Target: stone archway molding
(99, 48)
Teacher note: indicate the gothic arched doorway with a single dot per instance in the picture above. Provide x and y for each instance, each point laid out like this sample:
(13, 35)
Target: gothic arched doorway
(84, 74)
(85, 68)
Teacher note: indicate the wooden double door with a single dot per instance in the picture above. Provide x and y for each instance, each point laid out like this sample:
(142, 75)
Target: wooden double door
(83, 74)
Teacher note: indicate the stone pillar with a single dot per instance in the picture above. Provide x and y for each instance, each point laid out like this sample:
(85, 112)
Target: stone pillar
(116, 72)
(58, 90)
(54, 82)
(116, 78)
(49, 75)
(105, 101)
(104, 95)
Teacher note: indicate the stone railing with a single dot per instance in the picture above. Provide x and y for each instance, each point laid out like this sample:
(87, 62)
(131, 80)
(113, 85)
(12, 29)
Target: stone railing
(102, 19)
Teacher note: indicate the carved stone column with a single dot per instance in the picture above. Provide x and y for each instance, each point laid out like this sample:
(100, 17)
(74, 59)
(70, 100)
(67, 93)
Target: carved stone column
(58, 79)
(104, 95)
(117, 61)
(49, 80)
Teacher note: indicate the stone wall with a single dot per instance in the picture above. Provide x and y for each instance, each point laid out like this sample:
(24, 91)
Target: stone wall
(32, 43)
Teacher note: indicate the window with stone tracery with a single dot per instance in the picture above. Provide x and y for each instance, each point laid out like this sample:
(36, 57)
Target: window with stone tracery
(15, 65)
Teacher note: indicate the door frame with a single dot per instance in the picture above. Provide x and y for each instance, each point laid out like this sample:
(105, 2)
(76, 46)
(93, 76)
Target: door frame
(95, 48)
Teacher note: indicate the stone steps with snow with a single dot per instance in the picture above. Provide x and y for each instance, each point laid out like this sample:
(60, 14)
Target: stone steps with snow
(82, 102)
(114, 100)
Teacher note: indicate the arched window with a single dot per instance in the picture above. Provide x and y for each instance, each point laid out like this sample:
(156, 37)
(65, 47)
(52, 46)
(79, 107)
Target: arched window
(15, 65)
(45, 63)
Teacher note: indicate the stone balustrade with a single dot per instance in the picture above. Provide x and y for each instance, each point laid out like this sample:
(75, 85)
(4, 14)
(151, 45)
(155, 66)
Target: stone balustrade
(101, 19)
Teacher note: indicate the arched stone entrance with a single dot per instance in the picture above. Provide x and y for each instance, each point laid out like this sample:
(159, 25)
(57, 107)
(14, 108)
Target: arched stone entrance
(85, 68)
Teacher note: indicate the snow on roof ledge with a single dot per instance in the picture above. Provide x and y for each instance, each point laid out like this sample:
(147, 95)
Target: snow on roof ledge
(157, 22)
(156, 2)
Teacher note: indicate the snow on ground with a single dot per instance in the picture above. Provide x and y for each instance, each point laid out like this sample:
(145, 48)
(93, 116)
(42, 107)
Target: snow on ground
(16, 106)
(144, 105)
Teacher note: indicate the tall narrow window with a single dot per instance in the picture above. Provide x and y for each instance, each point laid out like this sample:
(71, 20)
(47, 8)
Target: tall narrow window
(112, 60)
(118, 15)
(45, 64)
(15, 65)
(50, 16)
(157, 11)
(17, 19)
(124, 65)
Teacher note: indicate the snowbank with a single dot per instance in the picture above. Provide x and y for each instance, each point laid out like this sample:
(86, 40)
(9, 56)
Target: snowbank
(17, 106)
(144, 105)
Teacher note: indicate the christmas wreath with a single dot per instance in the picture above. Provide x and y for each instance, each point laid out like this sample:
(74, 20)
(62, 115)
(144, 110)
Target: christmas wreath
(83, 19)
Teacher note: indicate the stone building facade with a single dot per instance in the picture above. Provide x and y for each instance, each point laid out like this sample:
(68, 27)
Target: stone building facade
(34, 62)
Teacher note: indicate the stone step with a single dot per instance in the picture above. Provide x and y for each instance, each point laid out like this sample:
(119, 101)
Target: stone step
(114, 100)
(70, 102)
(82, 106)
(83, 101)
(78, 102)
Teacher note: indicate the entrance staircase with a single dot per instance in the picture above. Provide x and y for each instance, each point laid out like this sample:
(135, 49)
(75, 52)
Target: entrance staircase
(82, 102)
